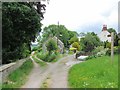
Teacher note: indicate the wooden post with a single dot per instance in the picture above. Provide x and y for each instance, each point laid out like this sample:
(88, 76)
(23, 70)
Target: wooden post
(112, 46)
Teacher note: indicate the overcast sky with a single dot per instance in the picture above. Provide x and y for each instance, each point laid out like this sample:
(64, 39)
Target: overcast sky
(82, 15)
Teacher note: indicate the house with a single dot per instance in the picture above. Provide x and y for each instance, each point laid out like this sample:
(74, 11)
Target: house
(104, 35)
(59, 43)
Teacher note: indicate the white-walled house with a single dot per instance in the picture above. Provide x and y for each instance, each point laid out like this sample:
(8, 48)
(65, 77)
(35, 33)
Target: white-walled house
(104, 35)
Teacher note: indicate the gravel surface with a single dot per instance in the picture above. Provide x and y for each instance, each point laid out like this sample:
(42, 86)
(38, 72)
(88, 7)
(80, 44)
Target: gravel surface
(57, 73)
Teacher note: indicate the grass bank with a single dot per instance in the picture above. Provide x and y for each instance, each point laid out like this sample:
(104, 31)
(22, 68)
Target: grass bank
(53, 57)
(18, 77)
(95, 73)
(39, 62)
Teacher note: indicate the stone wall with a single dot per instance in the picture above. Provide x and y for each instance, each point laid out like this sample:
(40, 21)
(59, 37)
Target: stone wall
(6, 69)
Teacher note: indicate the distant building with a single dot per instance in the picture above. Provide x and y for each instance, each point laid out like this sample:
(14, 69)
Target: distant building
(104, 35)
(60, 44)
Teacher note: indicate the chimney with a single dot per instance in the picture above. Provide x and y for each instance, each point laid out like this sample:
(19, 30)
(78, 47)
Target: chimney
(104, 28)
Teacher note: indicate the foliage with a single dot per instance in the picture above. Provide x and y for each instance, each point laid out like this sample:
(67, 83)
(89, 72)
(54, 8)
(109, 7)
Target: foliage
(72, 49)
(39, 62)
(72, 34)
(76, 45)
(95, 73)
(73, 39)
(35, 49)
(115, 51)
(98, 49)
(18, 77)
(21, 23)
(51, 45)
(70, 52)
(43, 56)
(52, 57)
(108, 45)
(110, 30)
(108, 52)
(60, 31)
(89, 42)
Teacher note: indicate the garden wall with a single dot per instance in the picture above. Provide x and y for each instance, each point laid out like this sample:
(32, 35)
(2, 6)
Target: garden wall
(6, 69)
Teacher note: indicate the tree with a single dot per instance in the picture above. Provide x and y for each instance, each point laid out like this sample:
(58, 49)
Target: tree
(76, 45)
(89, 42)
(20, 25)
(73, 39)
(60, 31)
(51, 45)
(115, 36)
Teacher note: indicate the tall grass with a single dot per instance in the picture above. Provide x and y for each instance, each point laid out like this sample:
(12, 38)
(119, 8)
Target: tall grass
(39, 62)
(18, 77)
(95, 73)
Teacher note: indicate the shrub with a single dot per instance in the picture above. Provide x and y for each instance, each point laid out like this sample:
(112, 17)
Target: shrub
(98, 49)
(108, 45)
(76, 45)
(71, 52)
(89, 42)
(51, 45)
(51, 57)
(108, 52)
(115, 50)
(34, 49)
(43, 56)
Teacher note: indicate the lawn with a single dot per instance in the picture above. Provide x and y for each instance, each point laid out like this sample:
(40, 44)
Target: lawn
(94, 73)
(18, 77)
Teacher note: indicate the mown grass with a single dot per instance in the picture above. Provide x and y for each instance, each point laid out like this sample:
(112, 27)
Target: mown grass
(18, 77)
(95, 73)
(39, 62)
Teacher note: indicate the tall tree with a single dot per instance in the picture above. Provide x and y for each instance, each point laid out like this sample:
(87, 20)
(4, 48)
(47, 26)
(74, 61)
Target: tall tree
(20, 25)
(115, 36)
(89, 42)
(60, 31)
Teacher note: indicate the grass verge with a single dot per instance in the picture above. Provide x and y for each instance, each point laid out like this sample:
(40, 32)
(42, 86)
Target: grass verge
(18, 77)
(39, 62)
(95, 73)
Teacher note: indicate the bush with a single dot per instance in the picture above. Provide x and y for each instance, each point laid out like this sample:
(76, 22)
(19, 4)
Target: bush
(98, 49)
(115, 50)
(43, 56)
(76, 45)
(108, 45)
(51, 45)
(89, 42)
(70, 52)
(108, 52)
(34, 49)
(51, 57)
(90, 57)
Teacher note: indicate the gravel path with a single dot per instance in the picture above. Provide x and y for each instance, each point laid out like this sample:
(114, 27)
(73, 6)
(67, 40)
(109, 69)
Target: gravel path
(57, 73)
(36, 77)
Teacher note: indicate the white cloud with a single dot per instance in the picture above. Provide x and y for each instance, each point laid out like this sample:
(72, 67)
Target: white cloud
(75, 14)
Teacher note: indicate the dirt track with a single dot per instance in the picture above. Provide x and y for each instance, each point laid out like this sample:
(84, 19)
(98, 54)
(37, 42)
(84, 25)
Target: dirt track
(56, 73)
